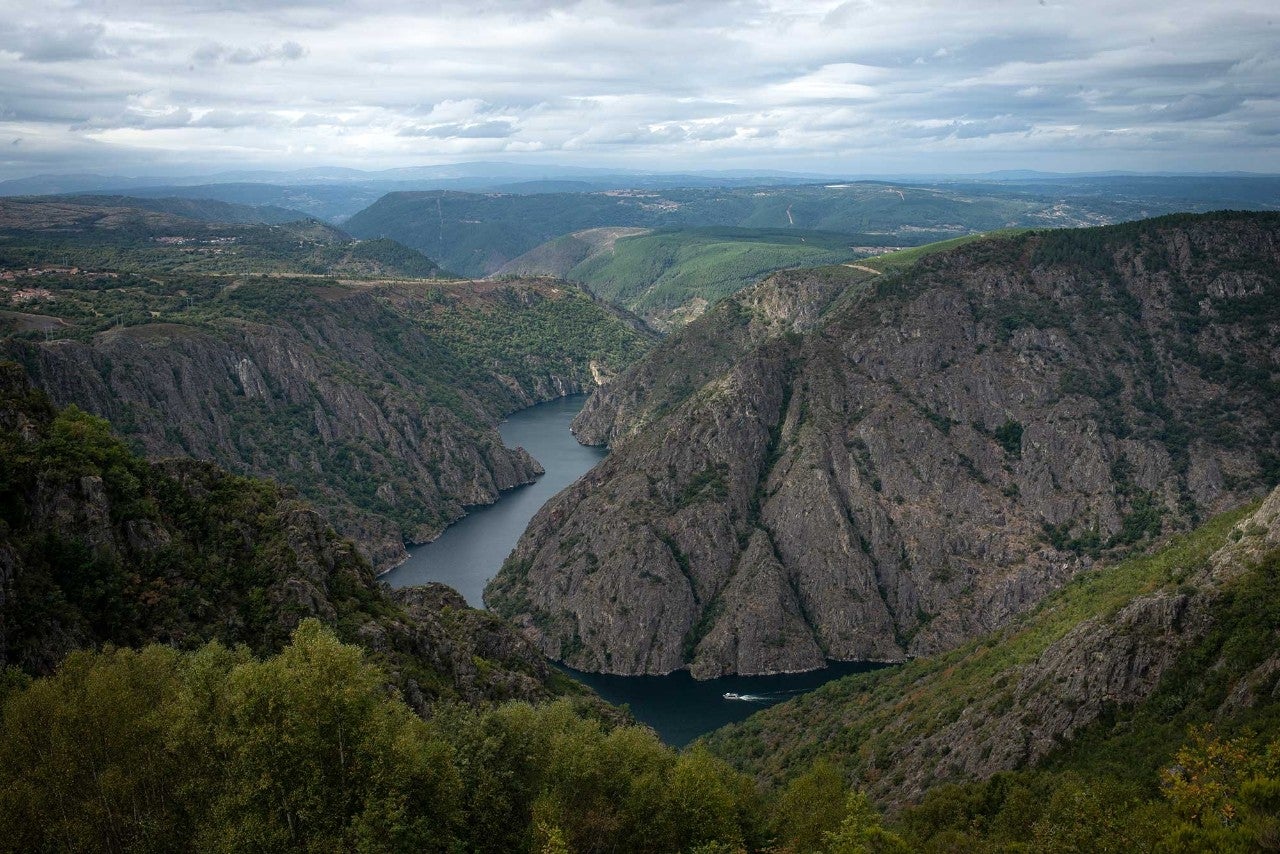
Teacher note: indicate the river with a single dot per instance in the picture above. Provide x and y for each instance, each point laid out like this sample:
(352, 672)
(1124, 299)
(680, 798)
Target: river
(471, 551)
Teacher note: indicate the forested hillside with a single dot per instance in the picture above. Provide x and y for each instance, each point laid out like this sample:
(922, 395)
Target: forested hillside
(219, 750)
(98, 546)
(476, 234)
(186, 237)
(1139, 687)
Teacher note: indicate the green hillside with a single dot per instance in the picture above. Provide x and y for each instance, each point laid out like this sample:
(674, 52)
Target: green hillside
(136, 236)
(208, 210)
(671, 275)
(476, 234)
(1196, 758)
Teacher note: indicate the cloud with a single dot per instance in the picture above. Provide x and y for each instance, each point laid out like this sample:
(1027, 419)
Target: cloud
(800, 84)
(60, 44)
(1200, 106)
(213, 53)
(478, 130)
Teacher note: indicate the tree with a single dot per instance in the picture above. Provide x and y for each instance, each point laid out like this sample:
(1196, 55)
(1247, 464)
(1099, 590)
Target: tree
(861, 831)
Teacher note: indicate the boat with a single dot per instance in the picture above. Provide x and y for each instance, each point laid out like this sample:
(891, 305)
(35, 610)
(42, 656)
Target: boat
(732, 696)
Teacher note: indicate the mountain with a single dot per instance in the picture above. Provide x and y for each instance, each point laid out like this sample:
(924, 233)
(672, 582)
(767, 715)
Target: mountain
(100, 546)
(1107, 680)
(476, 234)
(142, 236)
(671, 276)
(844, 464)
(377, 397)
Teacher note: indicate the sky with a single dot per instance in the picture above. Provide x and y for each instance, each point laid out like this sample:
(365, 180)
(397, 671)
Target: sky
(860, 87)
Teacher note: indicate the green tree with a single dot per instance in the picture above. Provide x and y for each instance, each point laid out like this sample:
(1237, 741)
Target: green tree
(84, 763)
(307, 750)
(809, 807)
(861, 831)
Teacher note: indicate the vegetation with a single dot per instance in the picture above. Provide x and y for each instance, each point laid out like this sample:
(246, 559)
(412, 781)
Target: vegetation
(149, 238)
(215, 750)
(654, 273)
(208, 210)
(447, 350)
(103, 547)
(476, 234)
(904, 259)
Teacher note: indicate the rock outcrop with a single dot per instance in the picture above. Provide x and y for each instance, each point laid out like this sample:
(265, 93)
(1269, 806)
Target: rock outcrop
(1011, 699)
(889, 467)
(352, 394)
(99, 546)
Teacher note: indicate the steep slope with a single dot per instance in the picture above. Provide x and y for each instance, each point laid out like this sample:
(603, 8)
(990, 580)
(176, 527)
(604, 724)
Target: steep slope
(379, 401)
(941, 449)
(1105, 677)
(558, 257)
(98, 546)
(375, 394)
(671, 276)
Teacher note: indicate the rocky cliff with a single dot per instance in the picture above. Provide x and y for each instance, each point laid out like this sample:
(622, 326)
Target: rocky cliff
(377, 401)
(98, 546)
(1131, 653)
(890, 467)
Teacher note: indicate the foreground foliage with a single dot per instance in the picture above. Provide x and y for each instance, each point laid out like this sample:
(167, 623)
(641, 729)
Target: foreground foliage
(215, 750)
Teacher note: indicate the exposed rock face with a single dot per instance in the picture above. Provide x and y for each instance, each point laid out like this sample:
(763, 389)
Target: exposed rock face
(181, 552)
(1011, 699)
(347, 398)
(479, 652)
(930, 456)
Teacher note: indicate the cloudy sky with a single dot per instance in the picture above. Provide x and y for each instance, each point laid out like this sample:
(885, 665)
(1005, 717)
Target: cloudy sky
(860, 87)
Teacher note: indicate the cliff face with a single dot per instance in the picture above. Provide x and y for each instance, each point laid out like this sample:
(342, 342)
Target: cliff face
(98, 546)
(367, 399)
(1163, 631)
(912, 460)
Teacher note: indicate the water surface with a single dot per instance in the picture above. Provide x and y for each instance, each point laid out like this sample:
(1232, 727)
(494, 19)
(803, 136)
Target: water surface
(471, 550)
(680, 708)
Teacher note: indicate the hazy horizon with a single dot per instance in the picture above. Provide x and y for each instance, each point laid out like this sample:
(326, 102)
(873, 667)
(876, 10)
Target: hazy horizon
(855, 88)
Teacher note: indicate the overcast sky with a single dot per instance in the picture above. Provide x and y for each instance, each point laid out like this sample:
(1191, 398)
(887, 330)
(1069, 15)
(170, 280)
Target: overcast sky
(860, 87)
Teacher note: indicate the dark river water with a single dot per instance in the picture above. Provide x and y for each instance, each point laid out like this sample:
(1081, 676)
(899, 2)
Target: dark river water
(471, 551)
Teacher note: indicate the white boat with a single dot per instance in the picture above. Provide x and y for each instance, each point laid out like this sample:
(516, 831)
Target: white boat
(732, 696)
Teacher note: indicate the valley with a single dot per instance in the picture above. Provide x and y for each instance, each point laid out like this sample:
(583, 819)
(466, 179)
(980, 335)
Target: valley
(612, 427)
(934, 530)
(877, 468)
(346, 374)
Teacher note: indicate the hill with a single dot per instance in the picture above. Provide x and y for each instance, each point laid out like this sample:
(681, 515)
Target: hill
(100, 546)
(207, 210)
(840, 464)
(671, 276)
(377, 397)
(143, 238)
(477, 233)
(1156, 676)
